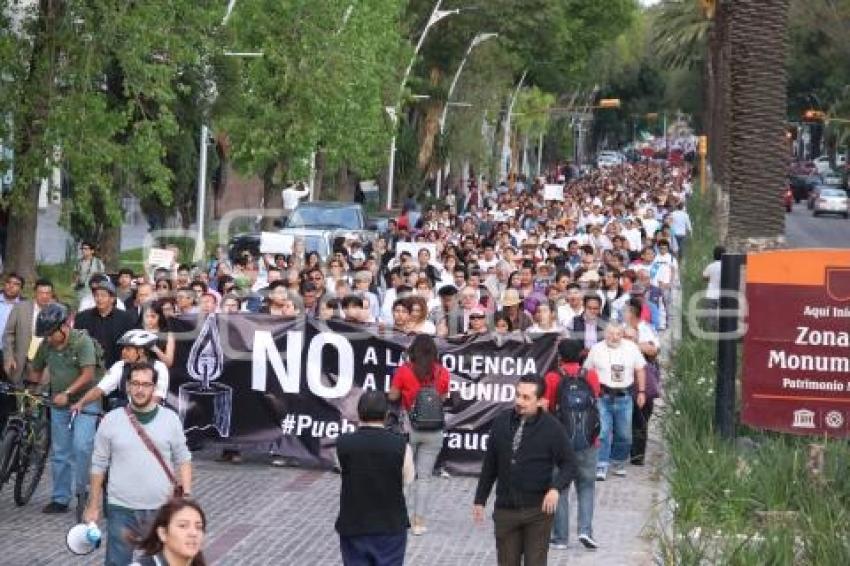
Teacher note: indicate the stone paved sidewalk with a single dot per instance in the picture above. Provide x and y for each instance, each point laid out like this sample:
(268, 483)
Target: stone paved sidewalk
(260, 515)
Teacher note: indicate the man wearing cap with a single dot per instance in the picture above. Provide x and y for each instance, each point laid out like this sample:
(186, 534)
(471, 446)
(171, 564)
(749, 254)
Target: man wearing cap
(87, 301)
(104, 322)
(71, 361)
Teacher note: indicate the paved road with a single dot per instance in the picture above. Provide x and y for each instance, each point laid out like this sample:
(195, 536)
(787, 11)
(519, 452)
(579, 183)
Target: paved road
(805, 231)
(260, 515)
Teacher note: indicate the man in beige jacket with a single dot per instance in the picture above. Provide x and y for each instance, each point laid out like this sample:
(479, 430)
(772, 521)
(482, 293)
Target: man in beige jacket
(19, 344)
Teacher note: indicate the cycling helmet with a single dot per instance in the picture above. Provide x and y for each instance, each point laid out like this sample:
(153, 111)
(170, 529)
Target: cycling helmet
(50, 319)
(138, 338)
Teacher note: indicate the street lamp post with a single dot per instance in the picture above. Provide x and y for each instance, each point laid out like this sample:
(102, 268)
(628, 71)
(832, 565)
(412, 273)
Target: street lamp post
(436, 16)
(204, 144)
(506, 140)
(476, 41)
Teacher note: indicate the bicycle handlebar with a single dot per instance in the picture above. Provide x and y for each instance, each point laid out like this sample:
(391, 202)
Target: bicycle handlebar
(40, 396)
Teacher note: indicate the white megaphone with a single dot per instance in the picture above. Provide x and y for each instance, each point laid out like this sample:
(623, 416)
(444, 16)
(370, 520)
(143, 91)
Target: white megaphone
(83, 539)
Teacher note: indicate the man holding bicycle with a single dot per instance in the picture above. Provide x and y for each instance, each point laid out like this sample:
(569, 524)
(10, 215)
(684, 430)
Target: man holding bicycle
(70, 356)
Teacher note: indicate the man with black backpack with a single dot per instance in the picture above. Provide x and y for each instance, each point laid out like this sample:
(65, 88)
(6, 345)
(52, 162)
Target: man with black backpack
(572, 393)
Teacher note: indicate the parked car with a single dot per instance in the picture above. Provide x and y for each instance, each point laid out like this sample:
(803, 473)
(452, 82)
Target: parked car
(833, 178)
(822, 162)
(831, 200)
(604, 160)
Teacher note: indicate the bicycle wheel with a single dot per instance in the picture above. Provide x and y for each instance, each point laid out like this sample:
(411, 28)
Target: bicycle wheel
(32, 463)
(9, 453)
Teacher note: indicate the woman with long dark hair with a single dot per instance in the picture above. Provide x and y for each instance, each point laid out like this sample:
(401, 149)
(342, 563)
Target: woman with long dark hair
(154, 320)
(420, 383)
(176, 536)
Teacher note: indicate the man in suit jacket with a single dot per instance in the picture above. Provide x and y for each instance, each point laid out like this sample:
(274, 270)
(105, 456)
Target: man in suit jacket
(589, 326)
(18, 348)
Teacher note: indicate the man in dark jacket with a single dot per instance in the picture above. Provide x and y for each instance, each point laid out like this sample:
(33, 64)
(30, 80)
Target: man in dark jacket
(528, 453)
(589, 326)
(104, 322)
(375, 465)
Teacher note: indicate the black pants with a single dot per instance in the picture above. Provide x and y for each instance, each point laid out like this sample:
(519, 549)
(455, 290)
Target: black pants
(640, 430)
(522, 536)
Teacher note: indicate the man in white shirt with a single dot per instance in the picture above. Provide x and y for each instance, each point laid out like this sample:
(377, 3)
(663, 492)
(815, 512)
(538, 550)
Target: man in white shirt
(574, 306)
(621, 368)
(291, 196)
(650, 224)
(711, 274)
(680, 225)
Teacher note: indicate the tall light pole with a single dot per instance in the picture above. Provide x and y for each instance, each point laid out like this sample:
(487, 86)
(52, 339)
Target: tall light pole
(506, 140)
(436, 16)
(204, 144)
(476, 41)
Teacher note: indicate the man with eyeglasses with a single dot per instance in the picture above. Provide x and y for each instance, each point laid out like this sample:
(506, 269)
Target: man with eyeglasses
(138, 484)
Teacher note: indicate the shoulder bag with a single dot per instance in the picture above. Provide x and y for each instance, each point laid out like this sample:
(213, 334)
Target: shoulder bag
(146, 440)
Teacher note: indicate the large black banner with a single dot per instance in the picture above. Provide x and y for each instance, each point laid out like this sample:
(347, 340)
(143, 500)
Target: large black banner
(293, 385)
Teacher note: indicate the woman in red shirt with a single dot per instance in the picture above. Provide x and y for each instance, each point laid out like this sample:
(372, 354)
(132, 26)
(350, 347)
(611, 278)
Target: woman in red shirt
(423, 369)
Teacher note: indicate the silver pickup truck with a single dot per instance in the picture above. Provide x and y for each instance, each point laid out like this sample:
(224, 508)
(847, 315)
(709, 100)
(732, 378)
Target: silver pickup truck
(318, 224)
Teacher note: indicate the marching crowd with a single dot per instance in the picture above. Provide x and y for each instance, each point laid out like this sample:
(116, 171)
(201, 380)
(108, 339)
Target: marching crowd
(595, 264)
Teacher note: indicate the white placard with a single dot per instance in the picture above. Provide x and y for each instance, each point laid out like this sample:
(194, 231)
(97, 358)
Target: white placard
(563, 243)
(274, 243)
(414, 247)
(553, 192)
(160, 257)
(369, 186)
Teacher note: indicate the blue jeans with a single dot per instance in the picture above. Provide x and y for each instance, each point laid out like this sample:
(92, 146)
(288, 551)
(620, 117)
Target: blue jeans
(373, 550)
(72, 448)
(616, 435)
(585, 490)
(122, 523)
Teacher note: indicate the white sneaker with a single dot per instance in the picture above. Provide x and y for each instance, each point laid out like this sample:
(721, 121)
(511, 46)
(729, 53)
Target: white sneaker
(620, 471)
(601, 474)
(588, 542)
(558, 545)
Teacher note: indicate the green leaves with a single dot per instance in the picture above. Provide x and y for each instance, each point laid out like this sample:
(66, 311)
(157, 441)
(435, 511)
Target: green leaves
(321, 83)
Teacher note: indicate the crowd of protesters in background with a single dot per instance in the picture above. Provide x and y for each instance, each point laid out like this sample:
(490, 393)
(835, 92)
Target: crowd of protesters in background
(596, 266)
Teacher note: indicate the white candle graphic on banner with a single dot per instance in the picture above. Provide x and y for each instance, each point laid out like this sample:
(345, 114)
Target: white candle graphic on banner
(207, 399)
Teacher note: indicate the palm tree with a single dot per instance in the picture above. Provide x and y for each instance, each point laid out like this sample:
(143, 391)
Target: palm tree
(755, 118)
(679, 33)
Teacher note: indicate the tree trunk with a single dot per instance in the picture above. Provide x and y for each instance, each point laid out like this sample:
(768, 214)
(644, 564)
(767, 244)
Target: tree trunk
(344, 191)
(320, 174)
(110, 248)
(29, 137)
(757, 156)
(272, 197)
(430, 128)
